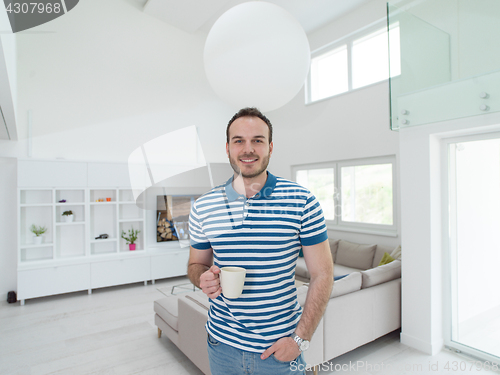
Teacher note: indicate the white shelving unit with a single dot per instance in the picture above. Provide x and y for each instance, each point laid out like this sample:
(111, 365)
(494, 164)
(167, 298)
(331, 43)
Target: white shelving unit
(70, 257)
(36, 206)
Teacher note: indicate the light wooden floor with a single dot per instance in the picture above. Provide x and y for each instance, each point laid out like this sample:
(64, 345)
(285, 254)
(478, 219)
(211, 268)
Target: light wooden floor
(112, 331)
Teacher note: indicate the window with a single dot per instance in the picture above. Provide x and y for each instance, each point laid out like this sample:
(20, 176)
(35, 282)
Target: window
(354, 195)
(358, 60)
(367, 194)
(321, 181)
(329, 74)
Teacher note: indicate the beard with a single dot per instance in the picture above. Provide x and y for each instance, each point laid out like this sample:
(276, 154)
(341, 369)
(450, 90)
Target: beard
(258, 171)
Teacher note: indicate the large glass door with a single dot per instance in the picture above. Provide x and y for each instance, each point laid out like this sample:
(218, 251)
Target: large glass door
(473, 189)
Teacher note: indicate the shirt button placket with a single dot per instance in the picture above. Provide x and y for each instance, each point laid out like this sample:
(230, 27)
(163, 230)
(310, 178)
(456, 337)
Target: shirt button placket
(247, 207)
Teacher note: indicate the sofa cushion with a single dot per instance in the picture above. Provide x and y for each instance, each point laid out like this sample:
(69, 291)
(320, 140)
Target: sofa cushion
(379, 253)
(348, 284)
(339, 270)
(167, 309)
(355, 255)
(381, 274)
(334, 245)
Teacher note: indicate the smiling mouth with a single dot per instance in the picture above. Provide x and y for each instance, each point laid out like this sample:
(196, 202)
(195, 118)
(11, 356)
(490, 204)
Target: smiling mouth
(248, 161)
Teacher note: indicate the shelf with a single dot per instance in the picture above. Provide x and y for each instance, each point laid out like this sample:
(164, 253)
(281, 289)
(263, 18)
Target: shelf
(36, 205)
(130, 220)
(103, 194)
(71, 204)
(72, 223)
(32, 246)
(35, 196)
(34, 253)
(103, 241)
(102, 203)
(70, 195)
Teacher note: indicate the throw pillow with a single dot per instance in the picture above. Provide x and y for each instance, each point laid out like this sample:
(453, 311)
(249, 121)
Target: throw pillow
(396, 253)
(355, 255)
(335, 278)
(334, 245)
(386, 258)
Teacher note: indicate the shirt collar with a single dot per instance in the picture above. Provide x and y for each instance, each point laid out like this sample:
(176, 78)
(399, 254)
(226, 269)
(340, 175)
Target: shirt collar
(264, 193)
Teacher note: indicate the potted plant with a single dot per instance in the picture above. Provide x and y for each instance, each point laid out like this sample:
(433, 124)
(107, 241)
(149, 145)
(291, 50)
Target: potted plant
(38, 231)
(68, 216)
(131, 237)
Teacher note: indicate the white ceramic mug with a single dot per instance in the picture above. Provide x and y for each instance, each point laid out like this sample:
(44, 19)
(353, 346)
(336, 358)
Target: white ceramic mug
(232, 280)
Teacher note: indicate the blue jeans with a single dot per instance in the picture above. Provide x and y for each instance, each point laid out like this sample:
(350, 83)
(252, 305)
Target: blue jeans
(227, 360)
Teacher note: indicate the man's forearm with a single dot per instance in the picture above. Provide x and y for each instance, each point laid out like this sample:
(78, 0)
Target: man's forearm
(317, 298)
(195, 270)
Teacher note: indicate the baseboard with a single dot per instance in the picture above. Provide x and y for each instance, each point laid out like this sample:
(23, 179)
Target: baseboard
(423, 346)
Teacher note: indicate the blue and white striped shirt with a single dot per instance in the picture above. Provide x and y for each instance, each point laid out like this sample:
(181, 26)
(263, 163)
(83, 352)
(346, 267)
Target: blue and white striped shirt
(264, 235)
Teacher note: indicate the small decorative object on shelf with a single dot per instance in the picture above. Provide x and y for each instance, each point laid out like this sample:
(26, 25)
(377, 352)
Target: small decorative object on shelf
(38, 231)
(68, 216)
(102, 237)
(108, 199)
(131, 237)
(62, 201)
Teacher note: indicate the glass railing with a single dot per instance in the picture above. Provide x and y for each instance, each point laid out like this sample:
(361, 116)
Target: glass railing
(449, 64)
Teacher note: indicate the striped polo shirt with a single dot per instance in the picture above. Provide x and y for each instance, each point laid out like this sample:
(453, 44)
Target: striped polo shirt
(262, 234)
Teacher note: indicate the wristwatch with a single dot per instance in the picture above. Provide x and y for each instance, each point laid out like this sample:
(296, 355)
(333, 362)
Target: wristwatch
(303, 344)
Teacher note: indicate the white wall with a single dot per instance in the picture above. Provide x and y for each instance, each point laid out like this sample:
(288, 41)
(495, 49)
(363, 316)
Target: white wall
(349, 126)
(8, 226)
(105, 78)
(422, 225)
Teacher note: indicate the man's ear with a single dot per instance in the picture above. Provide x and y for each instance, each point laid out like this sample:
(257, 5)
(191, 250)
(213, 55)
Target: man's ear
(227, 149)
(271, 145)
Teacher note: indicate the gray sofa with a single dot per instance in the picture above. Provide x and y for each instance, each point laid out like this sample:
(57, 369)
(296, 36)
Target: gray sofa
(363, 306)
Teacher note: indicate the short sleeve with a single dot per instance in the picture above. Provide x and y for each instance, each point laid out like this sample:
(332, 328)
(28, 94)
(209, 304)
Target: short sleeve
(313, 227)
(198, 239)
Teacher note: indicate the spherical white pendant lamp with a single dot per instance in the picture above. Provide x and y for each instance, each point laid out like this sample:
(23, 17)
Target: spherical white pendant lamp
(257, 54)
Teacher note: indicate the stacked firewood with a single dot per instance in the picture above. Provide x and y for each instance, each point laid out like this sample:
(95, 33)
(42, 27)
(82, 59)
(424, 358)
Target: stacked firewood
(165, 231)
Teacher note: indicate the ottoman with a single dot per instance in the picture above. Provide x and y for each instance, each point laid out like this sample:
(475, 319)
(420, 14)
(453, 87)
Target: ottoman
(182, 317)
(166, 317)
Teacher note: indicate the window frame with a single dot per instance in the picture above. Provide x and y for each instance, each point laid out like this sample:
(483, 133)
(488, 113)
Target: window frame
(347, 226)
(347, 40)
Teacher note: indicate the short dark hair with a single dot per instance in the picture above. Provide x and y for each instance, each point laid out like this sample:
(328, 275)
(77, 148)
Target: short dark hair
(250, 112)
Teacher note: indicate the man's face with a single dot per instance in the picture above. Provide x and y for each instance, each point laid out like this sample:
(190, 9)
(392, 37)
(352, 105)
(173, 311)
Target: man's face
(249, 149)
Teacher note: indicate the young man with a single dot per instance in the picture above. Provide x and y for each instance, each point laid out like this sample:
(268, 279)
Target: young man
(259, 222)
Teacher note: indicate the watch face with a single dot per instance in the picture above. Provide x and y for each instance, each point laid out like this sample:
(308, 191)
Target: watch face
(304, 345)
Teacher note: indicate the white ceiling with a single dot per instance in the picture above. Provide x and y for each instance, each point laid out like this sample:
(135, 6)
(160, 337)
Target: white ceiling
(200, 15)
